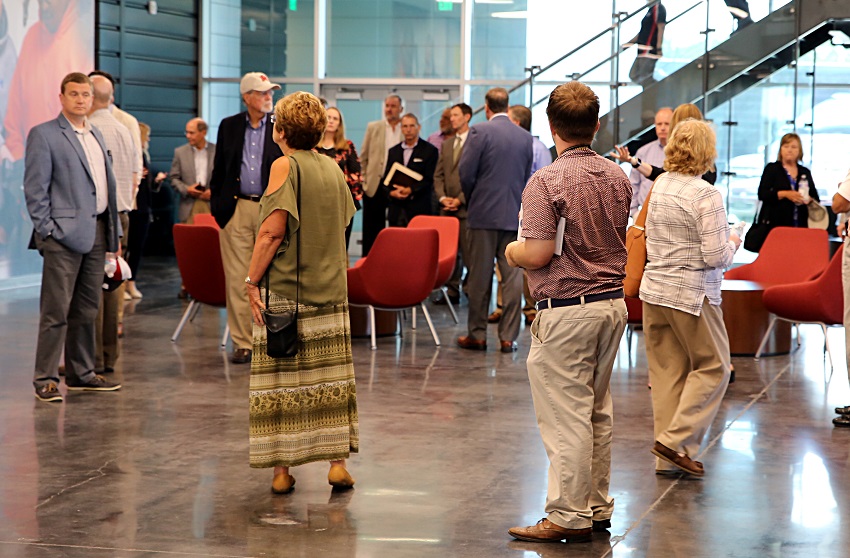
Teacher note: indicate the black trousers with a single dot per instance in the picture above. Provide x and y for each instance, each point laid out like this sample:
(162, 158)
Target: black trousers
(374, 219)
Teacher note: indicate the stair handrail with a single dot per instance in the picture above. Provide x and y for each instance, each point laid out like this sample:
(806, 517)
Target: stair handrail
(578, 48)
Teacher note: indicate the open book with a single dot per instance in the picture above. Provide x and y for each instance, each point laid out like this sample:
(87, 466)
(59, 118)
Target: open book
(559, 233)
(403, 176)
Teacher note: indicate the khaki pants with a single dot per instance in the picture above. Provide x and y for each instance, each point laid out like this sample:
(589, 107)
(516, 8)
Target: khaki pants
(689, 361)
(110, 313)
(198, 208)
(237, 245)
(569, 370)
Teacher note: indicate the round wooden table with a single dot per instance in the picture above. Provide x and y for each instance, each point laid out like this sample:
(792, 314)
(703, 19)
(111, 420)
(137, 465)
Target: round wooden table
(747, 320)
(386, 322)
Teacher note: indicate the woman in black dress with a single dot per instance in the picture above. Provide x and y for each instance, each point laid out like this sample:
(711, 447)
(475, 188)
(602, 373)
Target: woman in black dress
(335, 145)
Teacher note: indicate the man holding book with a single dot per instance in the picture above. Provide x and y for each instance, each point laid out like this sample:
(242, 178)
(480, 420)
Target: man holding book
(409, 176)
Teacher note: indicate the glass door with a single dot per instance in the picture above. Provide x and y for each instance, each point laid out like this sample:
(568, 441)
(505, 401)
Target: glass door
(361, 104)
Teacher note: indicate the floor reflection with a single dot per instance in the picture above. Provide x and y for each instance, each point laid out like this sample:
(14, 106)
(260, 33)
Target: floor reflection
(451, 456)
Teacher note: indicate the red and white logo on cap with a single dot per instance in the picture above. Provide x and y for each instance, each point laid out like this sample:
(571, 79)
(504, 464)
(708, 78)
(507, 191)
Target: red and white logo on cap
(263, 77)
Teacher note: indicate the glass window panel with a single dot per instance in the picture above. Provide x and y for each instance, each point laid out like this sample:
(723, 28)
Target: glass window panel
(271, 36)
(387, 38)
(499, 40)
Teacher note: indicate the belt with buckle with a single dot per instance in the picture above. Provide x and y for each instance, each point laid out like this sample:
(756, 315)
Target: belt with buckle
(249, 198)
(561, 302)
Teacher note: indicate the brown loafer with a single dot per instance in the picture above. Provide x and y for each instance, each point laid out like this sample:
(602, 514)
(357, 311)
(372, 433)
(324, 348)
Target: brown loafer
(283, 484)
(467, 342)
(680, 460)
(546, 531)
(494, 317)
(508, 346)
(241, 356)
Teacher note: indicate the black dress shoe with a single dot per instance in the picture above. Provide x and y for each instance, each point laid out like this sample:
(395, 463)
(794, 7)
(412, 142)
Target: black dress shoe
(508, 346)
(601, 525)
(842, 410)
(842, 421)
(442, 300)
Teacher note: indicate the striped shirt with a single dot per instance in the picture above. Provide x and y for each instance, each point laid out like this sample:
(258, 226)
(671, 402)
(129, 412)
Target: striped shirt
(687, 244)
(119, 142)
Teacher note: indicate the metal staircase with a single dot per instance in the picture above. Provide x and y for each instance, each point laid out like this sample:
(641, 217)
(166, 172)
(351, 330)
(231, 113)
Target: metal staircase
(746, 58)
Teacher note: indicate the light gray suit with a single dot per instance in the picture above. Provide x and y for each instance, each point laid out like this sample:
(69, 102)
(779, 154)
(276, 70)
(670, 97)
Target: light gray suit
(73, 239)
(183, 175)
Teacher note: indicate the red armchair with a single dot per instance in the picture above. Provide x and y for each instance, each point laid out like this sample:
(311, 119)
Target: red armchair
(789, 255)
(448, 230)
(399, 272)
(199, 261)
(817, 301)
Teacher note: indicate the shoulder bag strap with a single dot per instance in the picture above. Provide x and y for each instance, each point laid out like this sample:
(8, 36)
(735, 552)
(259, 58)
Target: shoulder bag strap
(297, 246)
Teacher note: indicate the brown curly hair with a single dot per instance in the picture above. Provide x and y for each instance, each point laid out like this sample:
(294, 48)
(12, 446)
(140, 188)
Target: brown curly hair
(302, 119)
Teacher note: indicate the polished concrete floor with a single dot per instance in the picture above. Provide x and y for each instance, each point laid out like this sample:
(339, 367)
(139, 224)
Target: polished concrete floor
(451, 457)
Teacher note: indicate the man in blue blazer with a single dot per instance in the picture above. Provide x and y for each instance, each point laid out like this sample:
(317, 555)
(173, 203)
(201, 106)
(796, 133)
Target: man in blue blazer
(405, 203)
(244, 155)
(494, 167)
(70, 192)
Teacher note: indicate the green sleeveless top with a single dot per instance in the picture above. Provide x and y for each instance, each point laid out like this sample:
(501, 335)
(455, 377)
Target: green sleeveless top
(326, 209)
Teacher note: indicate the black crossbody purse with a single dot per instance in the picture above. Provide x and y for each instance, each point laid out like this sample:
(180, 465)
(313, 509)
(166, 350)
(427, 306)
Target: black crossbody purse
(282, 325)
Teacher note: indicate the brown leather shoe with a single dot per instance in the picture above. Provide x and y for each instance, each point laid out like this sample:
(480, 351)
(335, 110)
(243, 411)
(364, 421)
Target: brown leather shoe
(508, 346)
(546, 531)
(680, 460)
(241, 356)
(494, 317)
(467, 342)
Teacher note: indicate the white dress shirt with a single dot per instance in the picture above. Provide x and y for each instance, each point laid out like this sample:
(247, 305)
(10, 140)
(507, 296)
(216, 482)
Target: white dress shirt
(97, 164)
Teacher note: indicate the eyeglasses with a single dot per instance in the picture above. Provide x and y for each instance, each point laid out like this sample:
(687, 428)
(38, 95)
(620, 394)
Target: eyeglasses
(272, 118)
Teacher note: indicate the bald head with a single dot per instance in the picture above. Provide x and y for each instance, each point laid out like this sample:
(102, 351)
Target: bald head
(103, 91)
(662, 124)
(196, 133)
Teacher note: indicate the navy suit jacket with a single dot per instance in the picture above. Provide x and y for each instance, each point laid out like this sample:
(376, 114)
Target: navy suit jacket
(227, 165)
(494, 166)
(60, 191)
(424, 161)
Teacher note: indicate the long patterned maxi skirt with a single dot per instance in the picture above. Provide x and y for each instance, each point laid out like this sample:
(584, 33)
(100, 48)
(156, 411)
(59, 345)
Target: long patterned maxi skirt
(304, 408)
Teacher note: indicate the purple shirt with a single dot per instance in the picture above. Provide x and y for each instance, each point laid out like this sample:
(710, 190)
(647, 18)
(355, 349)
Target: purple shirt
(407, 151)
(541, 153)
(250, 177)
(436, 139)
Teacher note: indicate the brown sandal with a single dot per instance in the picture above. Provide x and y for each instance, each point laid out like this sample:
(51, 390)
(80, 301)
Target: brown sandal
(681, 461)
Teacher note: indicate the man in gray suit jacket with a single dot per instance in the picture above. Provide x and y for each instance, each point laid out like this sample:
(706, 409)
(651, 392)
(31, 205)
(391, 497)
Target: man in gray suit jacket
(380, 136)
(494, 167)
(449, 193)
(70, 193)
(191, 169)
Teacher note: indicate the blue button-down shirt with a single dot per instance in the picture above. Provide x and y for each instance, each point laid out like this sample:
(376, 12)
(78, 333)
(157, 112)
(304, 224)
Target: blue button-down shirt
(252, 159)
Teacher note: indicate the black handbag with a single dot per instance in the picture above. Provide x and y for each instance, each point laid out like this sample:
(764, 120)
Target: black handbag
(761, 227)
(282, 325)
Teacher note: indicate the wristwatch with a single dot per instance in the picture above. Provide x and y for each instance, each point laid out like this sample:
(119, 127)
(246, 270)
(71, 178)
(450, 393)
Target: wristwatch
(248, 281)
(635, 162)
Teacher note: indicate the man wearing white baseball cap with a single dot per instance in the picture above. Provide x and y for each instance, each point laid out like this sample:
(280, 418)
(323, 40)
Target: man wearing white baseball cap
(244, 154)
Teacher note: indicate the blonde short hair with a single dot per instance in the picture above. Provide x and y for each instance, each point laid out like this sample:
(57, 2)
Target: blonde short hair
(683, 112)
(691, 148)
(302, 119)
